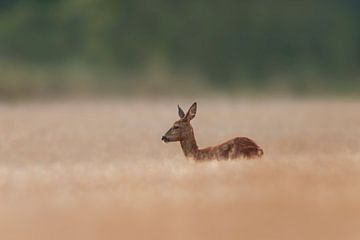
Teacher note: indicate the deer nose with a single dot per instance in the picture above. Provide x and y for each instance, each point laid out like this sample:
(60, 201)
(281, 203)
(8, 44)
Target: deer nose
(165, 139)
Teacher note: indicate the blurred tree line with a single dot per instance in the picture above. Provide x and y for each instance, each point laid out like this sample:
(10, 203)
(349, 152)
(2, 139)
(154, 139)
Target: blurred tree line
(300, 45)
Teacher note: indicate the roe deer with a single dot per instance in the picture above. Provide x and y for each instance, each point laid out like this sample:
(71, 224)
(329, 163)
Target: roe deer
(232, 149)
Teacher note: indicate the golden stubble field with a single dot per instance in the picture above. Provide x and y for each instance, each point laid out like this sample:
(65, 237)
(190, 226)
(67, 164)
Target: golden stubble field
(98, 170)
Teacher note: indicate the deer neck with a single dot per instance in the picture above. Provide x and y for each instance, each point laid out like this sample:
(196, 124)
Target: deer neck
(189, 146)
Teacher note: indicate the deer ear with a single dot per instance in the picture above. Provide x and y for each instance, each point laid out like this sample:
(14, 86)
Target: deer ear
(192, 112)
(181, 112)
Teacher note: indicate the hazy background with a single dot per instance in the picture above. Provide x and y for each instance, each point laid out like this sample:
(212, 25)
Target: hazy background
(88, 87)
(145, 48)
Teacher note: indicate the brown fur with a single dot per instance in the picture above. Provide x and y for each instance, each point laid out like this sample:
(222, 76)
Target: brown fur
(232, 149)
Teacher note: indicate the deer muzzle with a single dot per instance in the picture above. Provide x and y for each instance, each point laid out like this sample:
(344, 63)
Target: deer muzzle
(165, 139)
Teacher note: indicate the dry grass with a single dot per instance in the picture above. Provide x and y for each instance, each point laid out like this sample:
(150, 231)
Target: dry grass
(98, 170)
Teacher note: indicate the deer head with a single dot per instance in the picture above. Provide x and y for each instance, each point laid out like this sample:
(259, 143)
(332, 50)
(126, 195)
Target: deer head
(182, 127)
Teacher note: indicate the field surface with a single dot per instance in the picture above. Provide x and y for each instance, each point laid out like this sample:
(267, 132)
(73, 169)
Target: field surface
(98, 170)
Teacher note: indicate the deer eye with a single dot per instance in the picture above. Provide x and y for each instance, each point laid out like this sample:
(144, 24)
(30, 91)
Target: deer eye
(176, 127)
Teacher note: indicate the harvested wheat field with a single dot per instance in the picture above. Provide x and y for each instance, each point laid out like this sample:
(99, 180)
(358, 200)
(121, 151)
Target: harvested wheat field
(98, 170)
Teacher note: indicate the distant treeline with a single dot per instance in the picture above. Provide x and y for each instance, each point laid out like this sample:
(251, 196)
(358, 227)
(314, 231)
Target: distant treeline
(227, 42)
